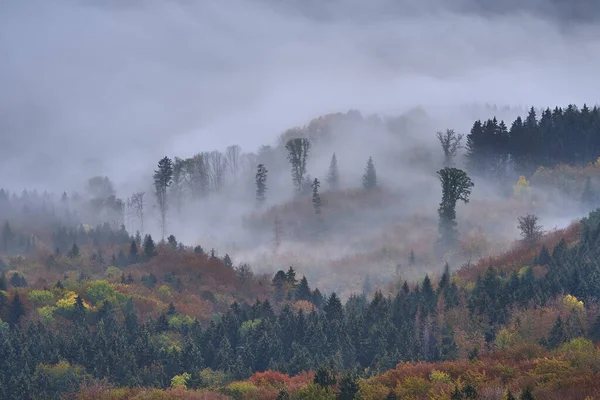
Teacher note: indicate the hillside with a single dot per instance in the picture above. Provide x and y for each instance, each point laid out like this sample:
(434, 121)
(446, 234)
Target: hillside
(353, 288)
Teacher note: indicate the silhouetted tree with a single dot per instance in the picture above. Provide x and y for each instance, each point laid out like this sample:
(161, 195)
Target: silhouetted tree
(369, 178)
(333, 175)
(530, 229)
(163, 177)
(456, 185)
(261, 184)
(149, 247)
(316, 197)
(450, 142)
(298, 149)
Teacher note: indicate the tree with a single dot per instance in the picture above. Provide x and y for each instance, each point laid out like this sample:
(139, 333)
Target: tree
(456, 185)
(557, 334)
(217, 165)
(261, 184)
(316, 197)
(324, 378)
(298, 149)
(172, 241)
(162, 180)
(530, 229)
(233, 153)
(526, 394)
(7, 237)
(411, 258)
(333, 176)
(227, 261)
(16, 310)
(450, 142)
(149, 247)
(348, 387)
(178, 180)
(370, 176)
(588, 198)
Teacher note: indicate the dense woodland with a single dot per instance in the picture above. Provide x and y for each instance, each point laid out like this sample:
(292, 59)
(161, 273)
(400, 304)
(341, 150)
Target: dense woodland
(97, 310)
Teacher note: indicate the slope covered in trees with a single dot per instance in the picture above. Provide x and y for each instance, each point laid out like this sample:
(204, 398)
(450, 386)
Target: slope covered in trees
(88, 307)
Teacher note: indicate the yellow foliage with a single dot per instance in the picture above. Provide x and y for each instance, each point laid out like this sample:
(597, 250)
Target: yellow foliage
(180, 380)
(413, 387)
(522, 189)
(68, 301)
(164, 292)
(439, 376)
(40, 296)
(47, 313)
(572, 303)
(506, 338)
(112, 271)
(240, 389)
(372, 391)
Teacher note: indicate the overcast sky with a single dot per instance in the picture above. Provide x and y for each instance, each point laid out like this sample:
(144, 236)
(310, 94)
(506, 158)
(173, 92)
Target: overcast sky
(108, 87)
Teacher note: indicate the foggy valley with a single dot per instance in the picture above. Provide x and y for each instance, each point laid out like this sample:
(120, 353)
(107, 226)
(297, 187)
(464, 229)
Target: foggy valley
(187, 154)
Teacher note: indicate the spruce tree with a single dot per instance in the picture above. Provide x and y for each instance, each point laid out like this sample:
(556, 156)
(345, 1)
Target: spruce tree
(227, 261)
(316, 197)
(333, 175)
(149, 247)
(163, 177)
(16, 310)
(557, 334)
(348, 387)
(303, 292)
(133, 252)
(261, 184)
(369, 179)
(526, 394)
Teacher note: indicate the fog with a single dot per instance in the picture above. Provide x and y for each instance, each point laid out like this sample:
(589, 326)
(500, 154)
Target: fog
(107, 88)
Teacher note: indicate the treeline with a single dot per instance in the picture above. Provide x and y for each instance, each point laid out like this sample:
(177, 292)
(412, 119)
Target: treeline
(563, 135)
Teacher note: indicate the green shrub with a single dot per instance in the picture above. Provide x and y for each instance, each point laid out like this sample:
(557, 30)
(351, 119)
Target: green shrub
(40, 296)
(100, 291)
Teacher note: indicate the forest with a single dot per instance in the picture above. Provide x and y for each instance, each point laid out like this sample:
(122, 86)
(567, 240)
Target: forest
(93, 306)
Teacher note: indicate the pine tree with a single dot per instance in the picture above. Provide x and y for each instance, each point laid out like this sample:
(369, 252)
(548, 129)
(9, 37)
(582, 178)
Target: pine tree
(16, 310)
(316, 197)
(509, 395)
(333, 176)
(162, 180)
(324, 378)
(149, 247)
(348, 387)
(557, 334)
(133, 252)
(303, 291)
(74, 252)
(411, 258)
(227, 261)
(370, 176)
(261, 184)
(138, 238)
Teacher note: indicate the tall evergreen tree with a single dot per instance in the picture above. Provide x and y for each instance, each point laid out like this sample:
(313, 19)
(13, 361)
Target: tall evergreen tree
(333, 175)
(149, 247)
(163, 177)
(316, 197)
(261, 184)
(369, 178)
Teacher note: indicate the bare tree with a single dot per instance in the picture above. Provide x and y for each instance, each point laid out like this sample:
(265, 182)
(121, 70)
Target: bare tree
(278, 231)
(137, 203)
(217, 165)
(197, 175)
(233, 155)
(450, 142)
(178, 181)
(530, 229)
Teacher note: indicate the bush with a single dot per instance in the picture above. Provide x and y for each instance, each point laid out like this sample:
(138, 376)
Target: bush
(178, 321)
(47, 313)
